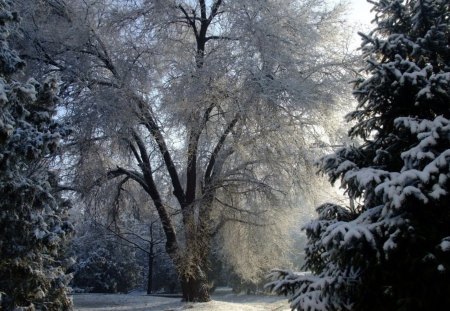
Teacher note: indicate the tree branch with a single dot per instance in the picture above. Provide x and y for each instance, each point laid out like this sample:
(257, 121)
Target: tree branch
(155, 131)
(217, 149)
(220, 38)
(190, 21)
(143, 155)
(135, 153)
(239, 209)
(191, 171)
(134, 175)
(120, 236)
(202, 10)
(214, 10)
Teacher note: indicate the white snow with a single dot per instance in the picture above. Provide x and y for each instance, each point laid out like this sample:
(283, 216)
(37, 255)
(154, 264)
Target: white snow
(224, 300)
(445, 245)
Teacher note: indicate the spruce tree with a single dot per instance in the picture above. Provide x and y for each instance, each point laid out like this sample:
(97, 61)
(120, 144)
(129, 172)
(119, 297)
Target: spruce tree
(33, 225)
(391, 251)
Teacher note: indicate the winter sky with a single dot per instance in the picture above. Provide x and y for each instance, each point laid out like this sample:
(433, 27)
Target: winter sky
(359, 16)
(360, 11)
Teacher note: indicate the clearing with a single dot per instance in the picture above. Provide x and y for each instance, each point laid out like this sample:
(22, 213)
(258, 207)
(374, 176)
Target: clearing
(222, 300)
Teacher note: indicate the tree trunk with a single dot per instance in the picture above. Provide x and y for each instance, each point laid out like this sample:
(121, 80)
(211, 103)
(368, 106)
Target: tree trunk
(150, 274)
(151, 257)
(191, 269)
(195, 264)
(195, 288)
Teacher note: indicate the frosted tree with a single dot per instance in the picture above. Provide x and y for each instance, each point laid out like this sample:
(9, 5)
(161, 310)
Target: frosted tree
(105, 263)
(33, 226)
(390, 251)
(129, 234)
(262, 245)
(208, 106)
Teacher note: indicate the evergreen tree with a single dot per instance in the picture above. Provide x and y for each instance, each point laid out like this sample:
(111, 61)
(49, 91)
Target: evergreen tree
(33, 226)
(392, 250)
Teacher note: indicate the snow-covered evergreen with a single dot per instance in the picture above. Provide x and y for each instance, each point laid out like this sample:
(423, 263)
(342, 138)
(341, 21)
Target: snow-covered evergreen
(33, 228)
(391, 251)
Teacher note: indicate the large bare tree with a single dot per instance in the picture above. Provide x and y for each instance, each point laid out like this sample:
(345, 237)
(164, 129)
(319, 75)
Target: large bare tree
(209, 106)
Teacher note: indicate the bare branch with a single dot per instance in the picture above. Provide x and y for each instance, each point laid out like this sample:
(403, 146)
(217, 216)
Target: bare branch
(214, 10)
(190, 20)
(220, 38)
(202, 10)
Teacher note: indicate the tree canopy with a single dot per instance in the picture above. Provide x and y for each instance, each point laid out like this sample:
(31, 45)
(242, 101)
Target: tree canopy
(209, 106)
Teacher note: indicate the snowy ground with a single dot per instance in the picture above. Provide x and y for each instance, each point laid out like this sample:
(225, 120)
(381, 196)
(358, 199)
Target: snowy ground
(223, 300)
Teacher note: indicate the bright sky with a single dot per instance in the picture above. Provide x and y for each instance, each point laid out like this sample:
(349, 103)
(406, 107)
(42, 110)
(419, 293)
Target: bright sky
(359, 16)
(360, 12)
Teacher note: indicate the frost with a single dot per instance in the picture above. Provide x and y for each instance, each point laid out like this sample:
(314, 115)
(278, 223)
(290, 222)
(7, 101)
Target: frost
(39, 234)
(445, 245)
(29, 91)
(39, 294)
(390, 244)
(365, 177)
(3, 91)
(53, 239)
(437, 192)
(345, 166)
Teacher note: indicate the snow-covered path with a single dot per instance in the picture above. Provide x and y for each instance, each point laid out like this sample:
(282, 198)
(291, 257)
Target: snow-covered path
(142, 302)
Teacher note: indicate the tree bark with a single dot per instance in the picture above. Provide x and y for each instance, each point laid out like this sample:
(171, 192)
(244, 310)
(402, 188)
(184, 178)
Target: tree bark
(194, 279)
(195, 287)
(150, 271)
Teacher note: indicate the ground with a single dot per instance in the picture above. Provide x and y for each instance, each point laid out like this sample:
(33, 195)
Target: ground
(222, 300)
